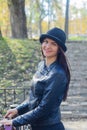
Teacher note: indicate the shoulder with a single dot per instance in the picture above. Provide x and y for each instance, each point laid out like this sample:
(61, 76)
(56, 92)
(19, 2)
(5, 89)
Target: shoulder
(58, 70)
(58, 73)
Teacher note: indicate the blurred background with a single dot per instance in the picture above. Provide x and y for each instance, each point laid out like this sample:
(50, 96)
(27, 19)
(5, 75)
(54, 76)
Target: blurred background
(30, 18)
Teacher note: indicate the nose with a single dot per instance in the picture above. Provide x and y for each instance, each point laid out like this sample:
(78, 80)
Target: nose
(48, 45)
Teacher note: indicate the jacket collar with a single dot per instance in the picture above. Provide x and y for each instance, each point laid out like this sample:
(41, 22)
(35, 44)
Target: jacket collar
(48, 68)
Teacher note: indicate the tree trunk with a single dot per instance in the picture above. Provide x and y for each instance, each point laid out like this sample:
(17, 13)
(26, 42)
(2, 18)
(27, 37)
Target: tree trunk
(40, 26)
(67, 19)
(0, 33)
(17, 18)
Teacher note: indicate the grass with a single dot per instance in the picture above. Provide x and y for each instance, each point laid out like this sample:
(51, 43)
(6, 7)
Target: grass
(78, 38)
(18, 61)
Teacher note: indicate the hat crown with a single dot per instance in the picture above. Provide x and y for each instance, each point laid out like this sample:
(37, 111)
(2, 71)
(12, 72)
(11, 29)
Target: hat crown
(58, 34)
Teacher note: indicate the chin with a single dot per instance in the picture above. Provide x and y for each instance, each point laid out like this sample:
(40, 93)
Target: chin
(47, 56)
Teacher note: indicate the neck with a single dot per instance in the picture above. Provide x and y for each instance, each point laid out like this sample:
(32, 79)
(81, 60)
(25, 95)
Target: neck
(50, 61)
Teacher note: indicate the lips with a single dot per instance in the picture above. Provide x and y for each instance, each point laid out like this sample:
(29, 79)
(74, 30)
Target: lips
(47, 51)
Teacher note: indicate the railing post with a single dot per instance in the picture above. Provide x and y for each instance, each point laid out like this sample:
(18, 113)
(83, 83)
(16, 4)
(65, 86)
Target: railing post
(5, 97)
(14, 93)
(24, 93)
(7, 100)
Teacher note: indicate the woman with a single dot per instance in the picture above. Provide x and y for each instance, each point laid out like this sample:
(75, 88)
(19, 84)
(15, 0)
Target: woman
(50, 85)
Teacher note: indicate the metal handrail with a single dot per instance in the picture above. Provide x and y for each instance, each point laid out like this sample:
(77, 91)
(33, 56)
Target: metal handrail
(13, 95)
(5, 93)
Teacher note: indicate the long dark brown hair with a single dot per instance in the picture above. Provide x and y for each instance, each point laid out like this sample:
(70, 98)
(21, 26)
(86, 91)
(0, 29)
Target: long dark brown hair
(63, 61)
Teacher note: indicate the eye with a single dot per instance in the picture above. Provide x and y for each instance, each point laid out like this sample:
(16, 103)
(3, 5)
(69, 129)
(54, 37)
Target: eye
(54, 43)
(45, 41)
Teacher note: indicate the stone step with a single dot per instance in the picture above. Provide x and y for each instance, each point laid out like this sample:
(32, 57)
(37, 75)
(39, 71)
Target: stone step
(77, 90)
(74, 110)
(71, 106)
(73, 115)
(77, 98)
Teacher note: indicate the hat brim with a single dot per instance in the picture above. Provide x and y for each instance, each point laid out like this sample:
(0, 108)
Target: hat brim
(57, 40)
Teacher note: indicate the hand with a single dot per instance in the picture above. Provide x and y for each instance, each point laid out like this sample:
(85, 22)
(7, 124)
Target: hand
(11, 113)
(6, 122)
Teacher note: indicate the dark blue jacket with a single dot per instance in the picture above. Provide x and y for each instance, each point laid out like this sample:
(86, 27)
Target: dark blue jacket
(46, 94)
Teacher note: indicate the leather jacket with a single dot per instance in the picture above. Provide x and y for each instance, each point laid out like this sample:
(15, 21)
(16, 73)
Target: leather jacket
(46, 95)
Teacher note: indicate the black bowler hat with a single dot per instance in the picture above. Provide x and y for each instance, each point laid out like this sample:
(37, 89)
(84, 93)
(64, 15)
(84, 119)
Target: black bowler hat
(57, 35)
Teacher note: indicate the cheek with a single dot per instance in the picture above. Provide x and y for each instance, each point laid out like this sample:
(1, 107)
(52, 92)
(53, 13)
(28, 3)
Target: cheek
(56, 50)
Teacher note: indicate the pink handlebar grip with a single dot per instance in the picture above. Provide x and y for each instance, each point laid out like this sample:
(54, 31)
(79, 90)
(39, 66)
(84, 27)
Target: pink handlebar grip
(8, 127)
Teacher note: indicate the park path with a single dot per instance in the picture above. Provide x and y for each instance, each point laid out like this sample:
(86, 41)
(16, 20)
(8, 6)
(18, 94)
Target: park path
(75, 125)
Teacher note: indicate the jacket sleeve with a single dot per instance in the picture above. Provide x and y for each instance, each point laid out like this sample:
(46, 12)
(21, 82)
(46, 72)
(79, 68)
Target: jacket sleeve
(55, 89)
(23, 108)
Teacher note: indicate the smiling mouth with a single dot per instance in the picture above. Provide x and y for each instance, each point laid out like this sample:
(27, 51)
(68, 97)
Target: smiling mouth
(47, 51)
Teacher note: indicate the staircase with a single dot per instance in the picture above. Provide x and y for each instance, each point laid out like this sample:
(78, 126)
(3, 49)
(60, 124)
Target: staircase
(76, 105)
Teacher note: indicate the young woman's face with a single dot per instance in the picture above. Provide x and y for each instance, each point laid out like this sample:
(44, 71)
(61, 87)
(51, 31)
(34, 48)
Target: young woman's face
(49, 48)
